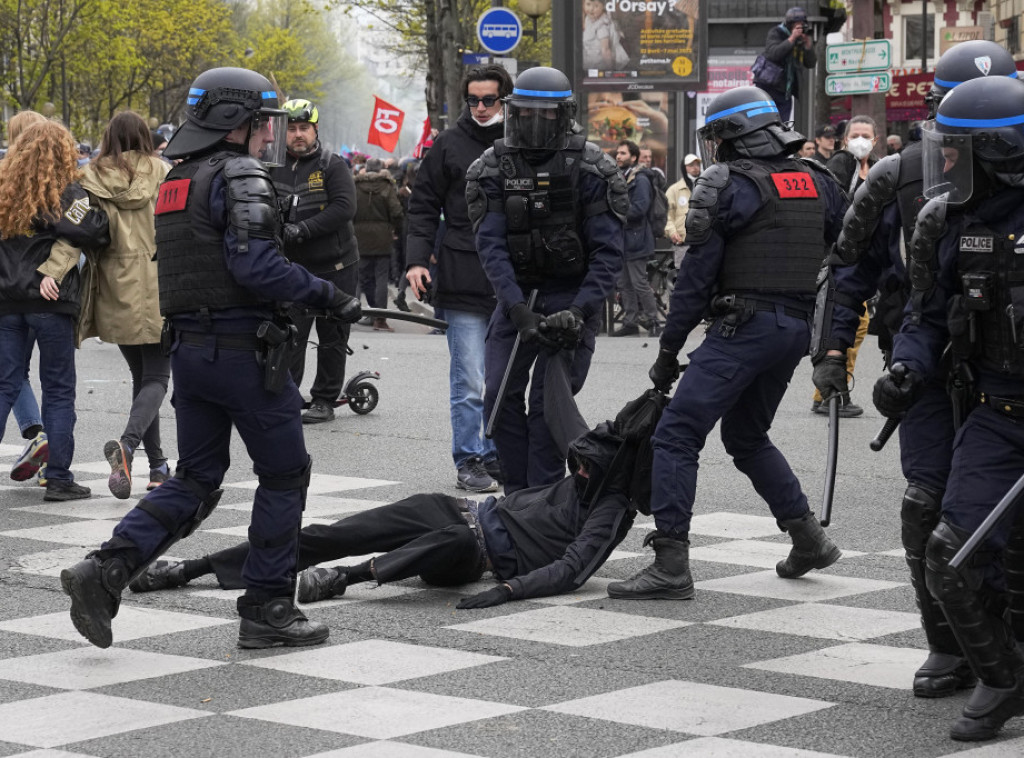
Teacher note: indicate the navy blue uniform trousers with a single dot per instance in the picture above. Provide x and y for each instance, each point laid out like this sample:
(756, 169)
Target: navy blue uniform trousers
(926, 438)
(215, 389)
(741, 380)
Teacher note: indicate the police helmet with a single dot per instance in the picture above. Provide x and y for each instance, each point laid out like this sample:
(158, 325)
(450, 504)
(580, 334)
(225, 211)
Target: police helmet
(795, 16)
(223, 99)
(979, 124)
(747, 119)
(968, 60)
(540, 111)
(301, 111)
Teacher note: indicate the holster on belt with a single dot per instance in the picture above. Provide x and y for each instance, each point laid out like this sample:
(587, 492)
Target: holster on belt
(167, 337)
(280, 344)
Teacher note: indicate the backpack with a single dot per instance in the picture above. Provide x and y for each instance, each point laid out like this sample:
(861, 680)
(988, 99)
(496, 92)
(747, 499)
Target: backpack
(657, 214)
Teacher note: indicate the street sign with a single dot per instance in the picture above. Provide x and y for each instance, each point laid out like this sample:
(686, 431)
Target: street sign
(476, 59)
(869, 55)
(858, 84)
(499, 30)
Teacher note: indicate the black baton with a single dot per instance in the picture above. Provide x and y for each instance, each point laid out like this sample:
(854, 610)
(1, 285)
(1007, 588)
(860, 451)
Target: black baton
(500, 399)
(1010, 499)
(832, 460)
(884, 434)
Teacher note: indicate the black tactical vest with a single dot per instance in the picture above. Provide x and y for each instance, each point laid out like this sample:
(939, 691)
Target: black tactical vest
(987, 318)
(543, 213)
(190, 249)
(782, 248)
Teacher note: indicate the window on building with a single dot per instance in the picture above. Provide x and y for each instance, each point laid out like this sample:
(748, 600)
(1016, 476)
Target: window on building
(913, 37)
(1013, 35)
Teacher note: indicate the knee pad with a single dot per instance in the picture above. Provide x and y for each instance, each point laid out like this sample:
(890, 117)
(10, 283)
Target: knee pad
(294, 481)
(919, 513)
(947, 585)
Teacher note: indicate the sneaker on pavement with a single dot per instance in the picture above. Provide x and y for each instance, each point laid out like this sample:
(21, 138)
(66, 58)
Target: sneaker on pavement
(382, 325)
(626, 330)
(319, 412)
(32, 458)
(120, 460)
(158, 476)
(401, 303)
(41, 476)
(472, 476)
(161, 575)
(494, 470)
(59, 490)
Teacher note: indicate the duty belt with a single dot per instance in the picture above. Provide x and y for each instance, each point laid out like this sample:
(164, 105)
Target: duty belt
(223, 341)
(1007, 406)
(469, 510)
(728, 303)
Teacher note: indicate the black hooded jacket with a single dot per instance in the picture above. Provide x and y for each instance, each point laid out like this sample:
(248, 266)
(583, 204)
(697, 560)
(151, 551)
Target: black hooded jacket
(460, 282)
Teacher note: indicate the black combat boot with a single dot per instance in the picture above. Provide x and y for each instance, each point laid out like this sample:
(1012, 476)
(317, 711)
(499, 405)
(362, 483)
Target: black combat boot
(94, 586)
(812, 549)
(317, 584)
(668, 578)
(276, 622)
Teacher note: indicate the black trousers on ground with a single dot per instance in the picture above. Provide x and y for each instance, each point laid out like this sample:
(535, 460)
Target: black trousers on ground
(422, 535)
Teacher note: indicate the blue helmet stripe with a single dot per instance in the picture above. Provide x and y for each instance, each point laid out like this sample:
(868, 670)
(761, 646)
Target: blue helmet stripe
(977, 122)
(756, 107)
(196, 91)
(542, 93)
(192, 101)
(950, 85)
(268, 95)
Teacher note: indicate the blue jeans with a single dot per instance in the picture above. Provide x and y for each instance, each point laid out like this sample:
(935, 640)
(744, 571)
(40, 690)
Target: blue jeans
(466, 333)
(26, 409)
(55, 335)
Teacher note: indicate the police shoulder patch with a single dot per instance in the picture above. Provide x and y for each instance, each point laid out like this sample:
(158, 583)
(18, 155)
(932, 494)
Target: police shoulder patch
(173, 196)
(977, 243)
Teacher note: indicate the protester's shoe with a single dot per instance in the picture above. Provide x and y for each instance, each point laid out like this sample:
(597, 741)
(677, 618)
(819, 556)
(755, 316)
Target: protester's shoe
(435, 330)
(668, 578)
(848, 409)
(472, 476)
(276, 623)
(94, 587)
(120, 460)
(32, 458)
(41, 476)
(494, 470)
(382, 325)
(162, 575)
(812, 549)
(401, 303)
(942, 675)
(626, 330)
(319, 412)
(365, 321)
(59, 490)
(158, 476)
(816, 407)
(317, 584)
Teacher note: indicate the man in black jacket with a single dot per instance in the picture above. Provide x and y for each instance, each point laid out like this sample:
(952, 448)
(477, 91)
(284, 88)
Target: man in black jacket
(789, 47)
(320, 205)
(462, 289)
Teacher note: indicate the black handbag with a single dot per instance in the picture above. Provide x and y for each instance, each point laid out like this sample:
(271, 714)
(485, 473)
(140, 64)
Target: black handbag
(768, 74)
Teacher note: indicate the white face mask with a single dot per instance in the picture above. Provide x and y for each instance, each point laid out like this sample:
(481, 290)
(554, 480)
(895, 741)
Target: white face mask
(860, 147)
(497, 118)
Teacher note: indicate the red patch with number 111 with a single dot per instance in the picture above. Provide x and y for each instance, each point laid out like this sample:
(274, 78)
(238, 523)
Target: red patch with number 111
(793, 184)
(173, 196)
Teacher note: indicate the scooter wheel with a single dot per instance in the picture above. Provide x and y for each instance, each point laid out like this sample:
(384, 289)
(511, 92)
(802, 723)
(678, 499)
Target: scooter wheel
(363, 398)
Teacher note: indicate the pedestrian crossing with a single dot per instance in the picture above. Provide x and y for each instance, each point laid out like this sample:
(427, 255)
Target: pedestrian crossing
(753, 666)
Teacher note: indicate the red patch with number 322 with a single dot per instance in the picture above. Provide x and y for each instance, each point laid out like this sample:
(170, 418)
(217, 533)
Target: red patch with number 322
(794, 184)
(173, 196)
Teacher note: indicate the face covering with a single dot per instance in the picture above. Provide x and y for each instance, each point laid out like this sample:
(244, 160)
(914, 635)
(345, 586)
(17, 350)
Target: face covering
(860, 147)
(497, 118)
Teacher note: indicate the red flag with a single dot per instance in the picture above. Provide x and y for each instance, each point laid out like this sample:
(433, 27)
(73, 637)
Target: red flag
(386, 125)
(425, 140)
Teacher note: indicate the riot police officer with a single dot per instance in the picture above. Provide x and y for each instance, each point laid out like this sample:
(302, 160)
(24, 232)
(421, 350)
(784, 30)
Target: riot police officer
(548, 207)
(220, 272)
(758, 227)
(966, 264)
(869, 258)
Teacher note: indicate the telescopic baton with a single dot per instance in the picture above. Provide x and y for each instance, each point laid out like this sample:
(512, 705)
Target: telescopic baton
(500, 399)
(832, 460)
(884, 434)
(1010, 499)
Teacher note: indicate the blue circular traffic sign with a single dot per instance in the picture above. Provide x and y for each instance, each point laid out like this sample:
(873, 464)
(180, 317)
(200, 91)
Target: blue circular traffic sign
(499, 30)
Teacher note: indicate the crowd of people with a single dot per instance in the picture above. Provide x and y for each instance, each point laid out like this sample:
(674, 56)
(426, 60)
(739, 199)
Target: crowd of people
(518, 230)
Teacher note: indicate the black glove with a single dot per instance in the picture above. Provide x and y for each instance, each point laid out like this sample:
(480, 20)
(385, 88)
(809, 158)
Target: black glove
(295, 234)
(665, 370)
(564, 327)
(528, 323)
(346, 308)
(487, 599)
(896, 391)
(830, 377)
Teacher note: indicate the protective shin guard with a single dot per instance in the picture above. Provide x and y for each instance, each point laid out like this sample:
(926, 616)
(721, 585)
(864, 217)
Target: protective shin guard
(984, 637)
(812, 549)
(94, 586)
(1013, 567)
(945, 670)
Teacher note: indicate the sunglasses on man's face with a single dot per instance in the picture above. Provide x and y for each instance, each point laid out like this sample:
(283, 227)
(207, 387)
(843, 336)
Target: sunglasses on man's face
(488, 100)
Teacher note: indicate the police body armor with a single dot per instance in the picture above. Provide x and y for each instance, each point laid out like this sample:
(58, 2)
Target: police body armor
(986, 320)
(782, 248)
(193, 276)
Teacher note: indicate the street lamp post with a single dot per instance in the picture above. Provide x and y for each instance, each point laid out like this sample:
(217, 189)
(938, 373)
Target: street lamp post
(534, 9)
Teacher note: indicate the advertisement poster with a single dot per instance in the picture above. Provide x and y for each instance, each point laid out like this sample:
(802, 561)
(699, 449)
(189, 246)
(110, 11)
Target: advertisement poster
(644, 45)
(641, 117)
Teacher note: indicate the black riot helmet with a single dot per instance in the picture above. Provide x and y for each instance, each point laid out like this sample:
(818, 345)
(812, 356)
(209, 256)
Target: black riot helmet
(222, 99)
(540, 111)
(745, 122)
(966, 61)
(977, 134)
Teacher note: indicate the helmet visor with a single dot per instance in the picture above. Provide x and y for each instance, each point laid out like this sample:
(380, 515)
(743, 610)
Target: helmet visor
(708, 146)
(947, 165)
(537, 126)
(268, 137)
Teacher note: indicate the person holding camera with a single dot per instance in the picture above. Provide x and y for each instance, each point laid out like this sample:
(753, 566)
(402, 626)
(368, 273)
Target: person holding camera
(789, 47)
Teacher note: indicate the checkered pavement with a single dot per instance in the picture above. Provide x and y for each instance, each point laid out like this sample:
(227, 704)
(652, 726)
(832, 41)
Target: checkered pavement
(754, 666)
